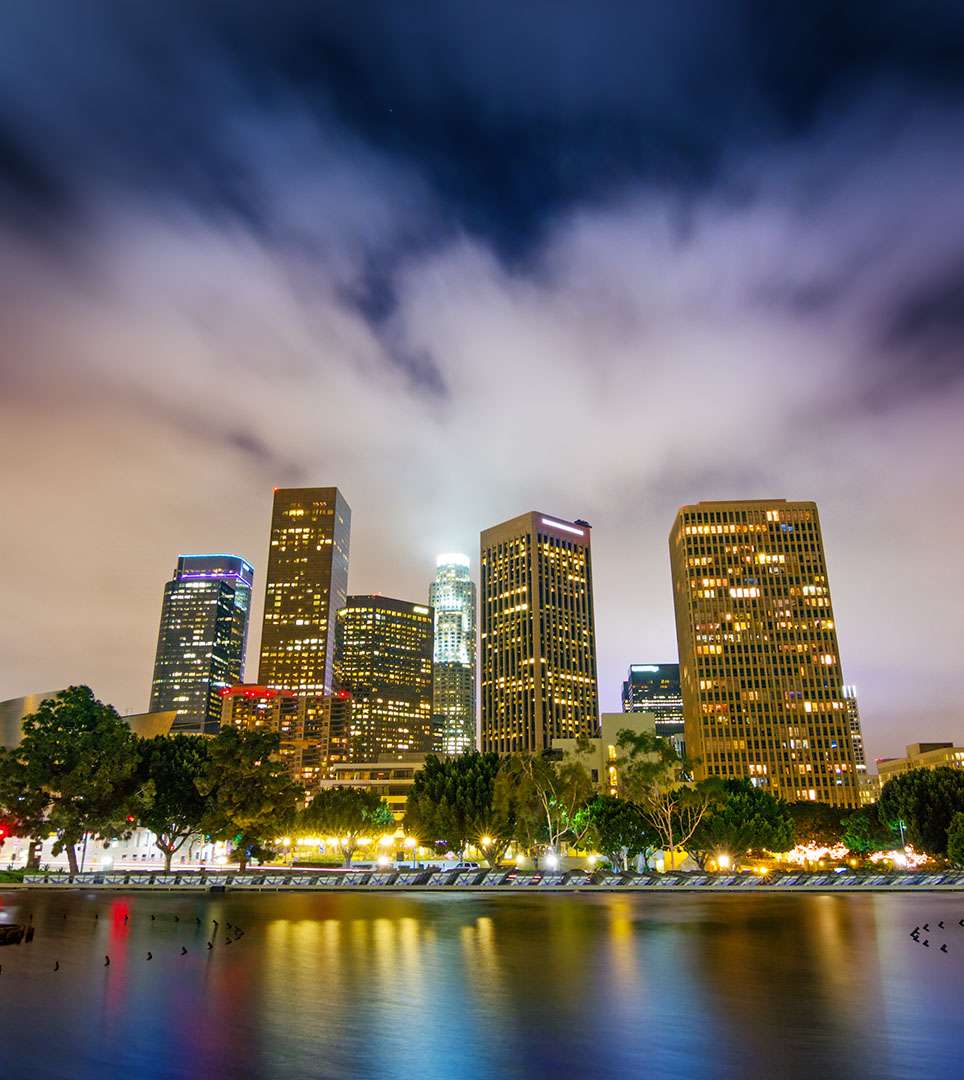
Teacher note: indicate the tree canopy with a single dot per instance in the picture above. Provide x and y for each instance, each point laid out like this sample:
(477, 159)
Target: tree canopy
(250, 796)
(75, 771)
(955, 840)
(347, 813)
(173, 765)
(451, 801)
(925, 800)
(619, 829)
(817, 823)
(744, 819)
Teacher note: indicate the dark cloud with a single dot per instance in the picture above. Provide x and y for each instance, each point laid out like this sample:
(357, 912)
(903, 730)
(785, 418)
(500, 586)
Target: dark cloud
(464, 259)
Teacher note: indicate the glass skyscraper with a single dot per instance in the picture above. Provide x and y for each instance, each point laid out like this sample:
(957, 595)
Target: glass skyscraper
(452, 596)
(201, 641)
(654, 688)
(538, 638)
(306, 583)
(383, 656)
(763, 694)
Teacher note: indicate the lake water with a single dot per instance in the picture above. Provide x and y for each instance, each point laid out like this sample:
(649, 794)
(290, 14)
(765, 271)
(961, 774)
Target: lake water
(468, 986)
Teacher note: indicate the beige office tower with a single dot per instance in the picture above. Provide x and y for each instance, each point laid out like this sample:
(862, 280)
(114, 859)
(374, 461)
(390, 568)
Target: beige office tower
(538, 637)
(763, 694)
(306, 583)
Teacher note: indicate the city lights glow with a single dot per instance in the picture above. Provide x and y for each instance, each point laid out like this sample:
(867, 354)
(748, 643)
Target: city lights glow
(562, 525)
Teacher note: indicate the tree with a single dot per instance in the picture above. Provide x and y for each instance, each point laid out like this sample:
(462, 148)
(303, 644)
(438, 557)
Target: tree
(745, 818)
(619, 829)
(75, 772)
(925, 801)
(542, 796)
(864, 832)
(452, 800)
(250, 795)
(174, 764)
(347, 813)
(955, 840)
(817, 823)
(654, 776)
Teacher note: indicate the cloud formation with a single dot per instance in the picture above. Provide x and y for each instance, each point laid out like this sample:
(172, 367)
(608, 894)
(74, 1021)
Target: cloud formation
(600, 284)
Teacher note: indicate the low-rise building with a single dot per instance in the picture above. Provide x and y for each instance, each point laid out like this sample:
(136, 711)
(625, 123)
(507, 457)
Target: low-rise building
(929, 755)
(391, 779)
(604, 752)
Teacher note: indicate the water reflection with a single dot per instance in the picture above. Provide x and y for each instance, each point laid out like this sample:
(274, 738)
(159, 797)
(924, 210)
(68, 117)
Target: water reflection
(517, 986)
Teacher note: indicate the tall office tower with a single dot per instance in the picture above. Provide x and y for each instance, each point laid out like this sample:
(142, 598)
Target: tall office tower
(759, 663)
(307, 583)
(200, 644)
(654, 688)
(856, 735)
(383, 656)
(452, 597)
(538, 638)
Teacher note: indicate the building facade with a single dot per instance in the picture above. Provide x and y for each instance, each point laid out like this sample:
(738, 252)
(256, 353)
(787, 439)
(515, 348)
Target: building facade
(452, 598)
(856, 735)
(383, 657)
(538, 636)
(312, 729)
(201, 640)
(655, 688)
(307, 582)
(931, 755)
(759, 662)
(602, 756)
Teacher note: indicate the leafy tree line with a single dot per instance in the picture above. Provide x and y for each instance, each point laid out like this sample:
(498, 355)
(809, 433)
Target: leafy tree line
(79, 770)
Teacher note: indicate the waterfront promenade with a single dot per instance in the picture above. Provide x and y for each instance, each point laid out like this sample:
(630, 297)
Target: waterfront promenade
(502, 881)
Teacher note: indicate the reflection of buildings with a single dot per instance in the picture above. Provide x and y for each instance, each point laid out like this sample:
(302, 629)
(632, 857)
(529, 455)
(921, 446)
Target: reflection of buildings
(452, 598)
(654, 688)
(759, 662)
(391, 780)
(604, 751)
(313, 729)
(200, 643)
(930, 755)
(538, 643)
(383, 657)
(306, 583)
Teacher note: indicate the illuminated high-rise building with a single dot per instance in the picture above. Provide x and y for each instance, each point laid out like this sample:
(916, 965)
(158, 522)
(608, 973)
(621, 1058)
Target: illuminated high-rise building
(307, 582)
(201, 640)
(654, 688)
(452, 598)
(383, 656)
(538, 638)
(760, 667)
(853, 716)
(312, 729)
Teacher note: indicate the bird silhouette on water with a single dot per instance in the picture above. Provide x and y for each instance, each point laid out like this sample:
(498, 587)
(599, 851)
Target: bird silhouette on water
(941, 924)
(210, 944)
(106, 961)
(56, 965)
(153, 917)
(927, 926)
(197, 919)
(126, 917)
(926, 943)
(944, 947)
(150, 956)
(183, 951)
(177, 918)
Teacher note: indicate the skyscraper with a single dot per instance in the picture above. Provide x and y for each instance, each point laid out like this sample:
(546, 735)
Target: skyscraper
(200, 644)
(538, 639)
(307, 581)
(759, 663)
(853, 716)
(452, 598)
(654, 688)
(383, 656)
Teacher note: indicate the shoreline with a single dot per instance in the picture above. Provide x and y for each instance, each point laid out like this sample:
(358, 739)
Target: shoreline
(495, 882)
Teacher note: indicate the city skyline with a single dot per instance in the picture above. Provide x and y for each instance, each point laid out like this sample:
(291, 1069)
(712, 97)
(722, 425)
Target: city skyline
(660, 264)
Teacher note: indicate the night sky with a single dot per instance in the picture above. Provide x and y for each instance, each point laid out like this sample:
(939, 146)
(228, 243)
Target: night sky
(469, 259)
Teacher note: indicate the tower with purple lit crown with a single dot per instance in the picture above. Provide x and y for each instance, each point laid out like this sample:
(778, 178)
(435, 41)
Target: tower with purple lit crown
(201, 640)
